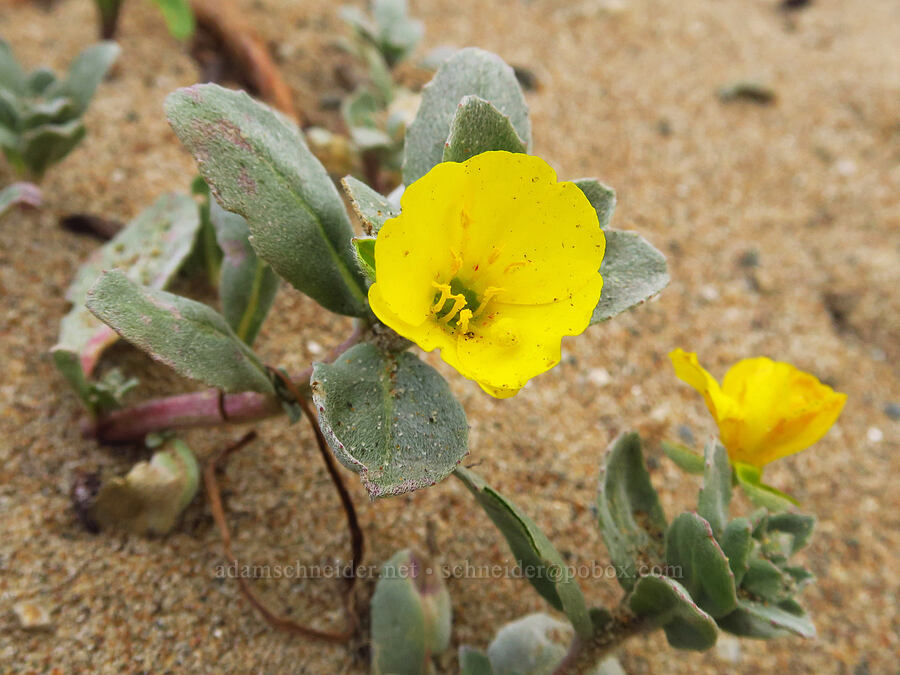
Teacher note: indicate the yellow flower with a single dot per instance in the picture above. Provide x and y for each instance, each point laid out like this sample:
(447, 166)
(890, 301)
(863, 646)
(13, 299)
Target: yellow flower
(765, 409)
(492, 261)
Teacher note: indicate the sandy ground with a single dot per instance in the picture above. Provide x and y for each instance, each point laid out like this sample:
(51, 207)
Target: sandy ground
(808, 186)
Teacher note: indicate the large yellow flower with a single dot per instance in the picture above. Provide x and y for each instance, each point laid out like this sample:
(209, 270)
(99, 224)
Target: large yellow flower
(492, 261)
(765, 409)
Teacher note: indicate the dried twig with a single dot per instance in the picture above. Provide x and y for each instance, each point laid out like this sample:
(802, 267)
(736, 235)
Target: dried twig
(218, 512)
(226, 23)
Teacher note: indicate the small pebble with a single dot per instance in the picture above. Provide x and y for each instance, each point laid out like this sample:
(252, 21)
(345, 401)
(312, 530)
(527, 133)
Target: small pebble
(686, 435)
(32, 615)
(599, 376)
(875, 435)
(728, 649)
(892, 410)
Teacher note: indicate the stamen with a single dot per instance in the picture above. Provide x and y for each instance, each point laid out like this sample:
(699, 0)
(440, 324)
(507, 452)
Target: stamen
(464, 317)
(486, 297)
(459, 302)
(445, 295)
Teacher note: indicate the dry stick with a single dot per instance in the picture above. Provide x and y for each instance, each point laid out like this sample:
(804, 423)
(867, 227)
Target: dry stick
(227, 23)
(356, 535)
(218, 514)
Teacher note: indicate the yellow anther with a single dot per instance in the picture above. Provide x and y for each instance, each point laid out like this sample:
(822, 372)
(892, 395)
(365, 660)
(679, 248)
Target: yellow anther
(445, 294)
(486, 297)
(459, 301)
(464, 317)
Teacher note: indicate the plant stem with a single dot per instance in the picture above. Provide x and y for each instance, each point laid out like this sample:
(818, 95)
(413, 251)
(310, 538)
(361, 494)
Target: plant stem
(207, 408)
(584, 655)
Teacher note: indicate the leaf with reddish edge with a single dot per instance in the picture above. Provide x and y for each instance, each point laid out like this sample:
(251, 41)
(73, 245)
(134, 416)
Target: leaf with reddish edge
(149, 250)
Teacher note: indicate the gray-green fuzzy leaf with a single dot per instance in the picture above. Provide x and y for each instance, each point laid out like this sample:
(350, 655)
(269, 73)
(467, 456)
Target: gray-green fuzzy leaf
(602, 198)
(85, 74)
(149, 250)
(12, 76)
(755, 620)
(411, 616)
(373, 209)
(389, 417)
(468, 72)
(45, 145)
(474, 662)
(479, 127)
(737, 543)
(257, 164)
(532, 645)
(763, 579)
(664, 602)
(247, 285)
(23, 194)
(188, 336)
(631, 519)
(632, 270)
(797, 526)
(715, 495)
(684, 457)
(533, 551)
(705, 573)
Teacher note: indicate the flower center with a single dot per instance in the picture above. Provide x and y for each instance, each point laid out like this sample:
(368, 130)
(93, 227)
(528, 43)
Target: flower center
(455, 304)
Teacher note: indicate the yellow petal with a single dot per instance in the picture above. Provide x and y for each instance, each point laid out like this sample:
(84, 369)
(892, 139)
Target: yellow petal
(689, 371)
(522, 341)
(413, 250)
(784, 409)
(537, 239)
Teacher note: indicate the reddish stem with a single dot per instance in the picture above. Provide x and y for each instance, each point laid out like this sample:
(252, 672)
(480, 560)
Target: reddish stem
(208, 408)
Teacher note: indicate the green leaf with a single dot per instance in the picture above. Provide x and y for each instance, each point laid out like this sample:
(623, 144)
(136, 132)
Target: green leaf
(373, 209)
(715, 495)
(365, 254)
(152, 496)
(601, 197)
(258, 165)
(85, 74)
(398, 34)
(20, 194)
(479, 127)
(763, 579)
(632, 521)
(47, 144)
(149, 250)
(737, 543)
(410, 614)
(536, 556)
(468, 72)
(247, 285)
(797, 526)
(359, 109)
(188, 336)
(474, 662)
(704, 571)
(685, 458)
(178, 17)
(632, 270)
(532, 645)
(755, 620)
(389, 417)
(750, 480)
(39, 79)
(664, 602)
(12, 77)
(55, 111)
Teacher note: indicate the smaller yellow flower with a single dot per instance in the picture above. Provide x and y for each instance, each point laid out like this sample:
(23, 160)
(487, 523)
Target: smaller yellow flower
(492, 261)
(765, 409)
